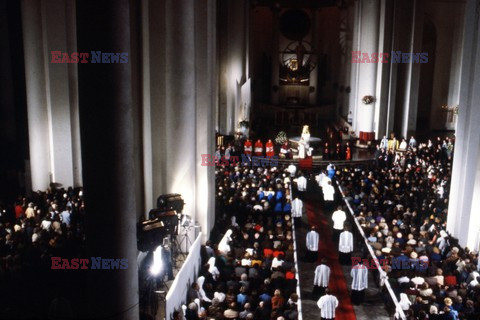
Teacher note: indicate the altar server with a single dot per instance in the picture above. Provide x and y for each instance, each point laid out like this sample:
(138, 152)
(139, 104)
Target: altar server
(359, 274)
(297, 211)
(322, 277)
(312, 245)
(327, 304)
(345, 247)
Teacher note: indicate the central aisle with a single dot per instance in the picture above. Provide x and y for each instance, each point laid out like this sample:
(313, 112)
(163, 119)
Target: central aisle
(326, 249)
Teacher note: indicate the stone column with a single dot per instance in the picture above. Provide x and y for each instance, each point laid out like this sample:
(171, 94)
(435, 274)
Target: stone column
(179, 100)
(180, 104)
(313, 90)
(35, 68)
(106, 125)
(52, 98)
(383, 69)
(410, 104)
(205, 65)
(353, 94)
(369, 12)
(463, 221)
(275, 86)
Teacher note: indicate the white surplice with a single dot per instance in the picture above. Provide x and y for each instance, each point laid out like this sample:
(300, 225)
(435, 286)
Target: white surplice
(322, 276)
(312, 240)
(302, 183)
(345, 244)
(359, 274)
(297, 208)
(327, 305)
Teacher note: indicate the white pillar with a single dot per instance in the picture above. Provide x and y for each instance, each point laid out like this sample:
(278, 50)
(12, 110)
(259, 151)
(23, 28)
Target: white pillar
(205, 66)
(463, 219)
(370, 11)
(312, 95)
(179, 102)
(180, 112)
(275, 86)
(52, 93)
(353, 94)
(410, 104)
(383, 70)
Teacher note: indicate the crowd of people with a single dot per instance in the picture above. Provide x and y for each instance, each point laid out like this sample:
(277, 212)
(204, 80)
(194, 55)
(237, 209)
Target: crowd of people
(248, 267)
(401, 202)
(32, 230)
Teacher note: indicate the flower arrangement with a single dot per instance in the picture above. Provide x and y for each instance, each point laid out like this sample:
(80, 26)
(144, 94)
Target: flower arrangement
(281, 137)
(368, 99)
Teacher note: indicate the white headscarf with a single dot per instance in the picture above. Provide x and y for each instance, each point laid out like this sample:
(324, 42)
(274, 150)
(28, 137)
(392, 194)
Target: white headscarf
(212, 269)
(404, 302)
(223, 246)
(200, 282)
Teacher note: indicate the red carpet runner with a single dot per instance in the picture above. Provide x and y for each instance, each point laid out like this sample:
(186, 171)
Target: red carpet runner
(306, 164)
(326, 249)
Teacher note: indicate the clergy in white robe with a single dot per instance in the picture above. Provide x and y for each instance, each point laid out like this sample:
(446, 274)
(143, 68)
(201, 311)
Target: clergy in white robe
(327, 304)
(320, 178)
(328, 196)
(301, 148)
(297, 211)
(345, 247)
(302, 184)
(312, 245)
(321, 279)
(359, 274)
(338, 218)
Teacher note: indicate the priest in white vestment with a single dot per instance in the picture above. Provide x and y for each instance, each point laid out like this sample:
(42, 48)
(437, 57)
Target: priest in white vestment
(327, 304)
(345, 247)
(297, 211)
(321, 279)
(359, 274)
(328, 196)
(302, 183)
(312, 245)
(338, 218)
(301, 148)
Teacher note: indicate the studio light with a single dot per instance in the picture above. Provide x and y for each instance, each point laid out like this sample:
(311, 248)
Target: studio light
(157, 265)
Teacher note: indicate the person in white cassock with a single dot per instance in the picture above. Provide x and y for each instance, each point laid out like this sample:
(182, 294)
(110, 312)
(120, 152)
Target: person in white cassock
(302, 184)
(320, 281)
(320, 178)
(327, 304)
(328, 195)
(297, 211)
(359, 274)
(312, 245)
(338, 218)
(292, 169)
(345, 247)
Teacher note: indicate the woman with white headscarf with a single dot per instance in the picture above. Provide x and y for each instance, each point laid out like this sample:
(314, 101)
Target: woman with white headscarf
(404, 302)
(213, 269)
(223, 246)
(203, 295)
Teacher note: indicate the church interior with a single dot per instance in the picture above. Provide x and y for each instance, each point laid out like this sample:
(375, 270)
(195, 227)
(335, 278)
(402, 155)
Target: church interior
(240, 159)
